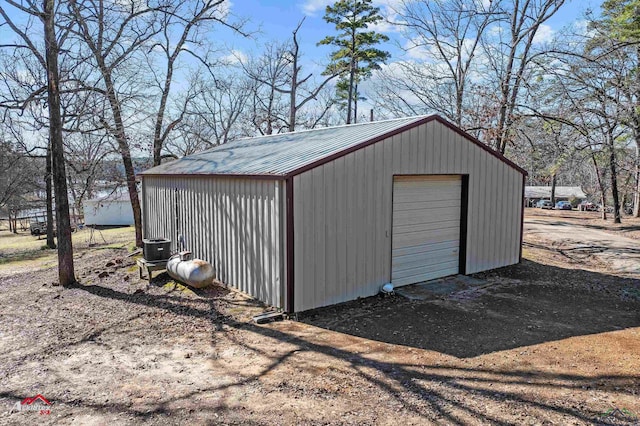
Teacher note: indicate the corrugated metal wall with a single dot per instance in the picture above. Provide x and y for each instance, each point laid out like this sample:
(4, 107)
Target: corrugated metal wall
(235, 224)
(343, 212)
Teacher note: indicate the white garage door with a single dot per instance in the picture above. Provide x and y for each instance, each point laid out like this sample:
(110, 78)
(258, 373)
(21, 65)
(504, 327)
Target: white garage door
(426, 228)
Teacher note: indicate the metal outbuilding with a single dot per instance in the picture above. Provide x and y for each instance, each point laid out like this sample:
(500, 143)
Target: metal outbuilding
(317, 217)
(108, 211)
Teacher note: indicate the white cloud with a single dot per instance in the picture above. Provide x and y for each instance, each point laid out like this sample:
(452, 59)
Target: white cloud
(312, 7)
(496, 30)
(416, 50)
(383, 27)
(235, 57)
(224, 9)
(544, 34)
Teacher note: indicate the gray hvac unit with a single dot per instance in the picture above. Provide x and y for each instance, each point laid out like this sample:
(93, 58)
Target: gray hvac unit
(156, 249)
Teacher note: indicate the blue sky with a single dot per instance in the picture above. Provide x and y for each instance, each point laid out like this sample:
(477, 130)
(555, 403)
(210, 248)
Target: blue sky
(275, 19)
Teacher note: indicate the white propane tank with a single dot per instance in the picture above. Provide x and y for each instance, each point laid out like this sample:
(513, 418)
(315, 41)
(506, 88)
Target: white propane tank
(194, 272)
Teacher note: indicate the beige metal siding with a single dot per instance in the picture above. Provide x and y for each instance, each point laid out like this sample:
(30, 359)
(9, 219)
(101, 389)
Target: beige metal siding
(235, 224)
(426, 228)
(342, 238)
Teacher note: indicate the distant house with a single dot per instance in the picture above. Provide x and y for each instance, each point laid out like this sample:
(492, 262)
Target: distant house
(108, 212)
(533, 194)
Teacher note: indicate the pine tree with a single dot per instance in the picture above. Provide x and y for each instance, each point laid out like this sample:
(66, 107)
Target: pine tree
(356, 57)
(622, 19)
(618, 30)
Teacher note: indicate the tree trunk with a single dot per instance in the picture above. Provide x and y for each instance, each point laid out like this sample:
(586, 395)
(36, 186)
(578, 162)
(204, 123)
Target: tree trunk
(125, 152)
(636, 173)
(355, 103)
(352, 72)
(158, 140)
(603, 194)
(636, 125)
(294, 84)
(50, 237)
(66, 273)
(614, 182)
(553, 189)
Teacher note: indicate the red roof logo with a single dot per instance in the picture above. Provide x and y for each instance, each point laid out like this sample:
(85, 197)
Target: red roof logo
(35, 399)
(37, 403)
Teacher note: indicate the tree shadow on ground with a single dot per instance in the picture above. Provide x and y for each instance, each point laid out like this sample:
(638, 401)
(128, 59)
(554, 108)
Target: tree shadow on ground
(507, 315)
(523, 305)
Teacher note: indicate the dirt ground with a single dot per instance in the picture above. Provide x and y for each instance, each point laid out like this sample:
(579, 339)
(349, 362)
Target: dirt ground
(553, 340)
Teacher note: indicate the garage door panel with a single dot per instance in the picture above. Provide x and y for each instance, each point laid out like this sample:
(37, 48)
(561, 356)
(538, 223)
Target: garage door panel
(424, 204)
(420, 270)
(416, 275)
(426, 228)
(431, 195)
(417, 227)
(424, 259)
(404, 251)
(404, 180)
(434, 184)
(412, 217)
(433, 237)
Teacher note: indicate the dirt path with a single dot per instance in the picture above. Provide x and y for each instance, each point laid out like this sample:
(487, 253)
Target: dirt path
(613, 252)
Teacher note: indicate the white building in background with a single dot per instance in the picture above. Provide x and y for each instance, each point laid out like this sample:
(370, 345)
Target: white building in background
(108, 211)
(533, 194)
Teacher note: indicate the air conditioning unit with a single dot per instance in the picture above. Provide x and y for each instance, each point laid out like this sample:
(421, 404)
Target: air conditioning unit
(156, 249)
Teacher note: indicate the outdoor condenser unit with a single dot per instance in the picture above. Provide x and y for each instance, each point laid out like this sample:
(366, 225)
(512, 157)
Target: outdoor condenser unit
(156, 249)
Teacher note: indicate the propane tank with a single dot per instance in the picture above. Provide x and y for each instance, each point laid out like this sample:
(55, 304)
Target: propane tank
(194, 272)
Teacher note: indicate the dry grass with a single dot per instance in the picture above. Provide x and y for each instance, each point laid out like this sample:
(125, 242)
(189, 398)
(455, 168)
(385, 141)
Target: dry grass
(24, 251)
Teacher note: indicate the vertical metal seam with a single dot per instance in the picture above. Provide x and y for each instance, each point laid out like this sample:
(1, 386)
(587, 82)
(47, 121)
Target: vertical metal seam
(290, 248)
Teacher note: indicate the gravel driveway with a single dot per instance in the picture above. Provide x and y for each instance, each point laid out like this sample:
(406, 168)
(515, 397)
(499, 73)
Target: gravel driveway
(615, 253)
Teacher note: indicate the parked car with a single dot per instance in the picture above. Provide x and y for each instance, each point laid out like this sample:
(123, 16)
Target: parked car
(564, 205)
(608, 209)
(587, 206)
(544, 204)
(38, 227)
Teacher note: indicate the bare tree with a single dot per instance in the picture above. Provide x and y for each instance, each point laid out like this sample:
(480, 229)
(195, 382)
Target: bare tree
(111, 36)
(299, 84)
(47, 57)
(214, 117)
(592, 86)
(66, 271)
(18, 178)
(183, 26)
(448, 33)
(509, 53)
(281, 92)
(270, 73)
(467, 60)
